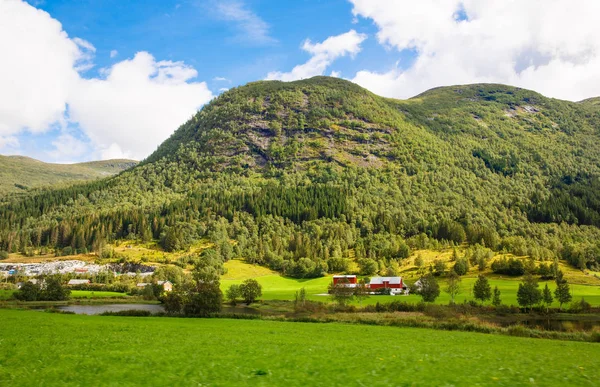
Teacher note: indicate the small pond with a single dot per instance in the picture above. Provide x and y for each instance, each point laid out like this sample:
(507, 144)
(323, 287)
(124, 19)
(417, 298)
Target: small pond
(152, 308)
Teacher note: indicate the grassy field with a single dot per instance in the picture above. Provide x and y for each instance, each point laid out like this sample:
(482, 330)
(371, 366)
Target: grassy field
(276, 287)
(52, 349)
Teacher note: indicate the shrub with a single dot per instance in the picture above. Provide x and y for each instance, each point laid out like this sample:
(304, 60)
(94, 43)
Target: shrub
(430, 289)
(581, 306)
(28, 292)
(233, 293)
(131, 313)
(250, 290)
(3, 255)
(508, 266)
(461, 267)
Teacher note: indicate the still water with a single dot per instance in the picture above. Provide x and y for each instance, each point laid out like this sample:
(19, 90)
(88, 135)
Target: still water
(152, 308)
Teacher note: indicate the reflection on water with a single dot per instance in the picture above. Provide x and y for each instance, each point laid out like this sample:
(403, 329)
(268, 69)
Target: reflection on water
(98, 309)
(152, 308)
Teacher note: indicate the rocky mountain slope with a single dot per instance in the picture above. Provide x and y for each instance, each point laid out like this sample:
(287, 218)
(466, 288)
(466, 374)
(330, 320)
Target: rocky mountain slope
(308, 174)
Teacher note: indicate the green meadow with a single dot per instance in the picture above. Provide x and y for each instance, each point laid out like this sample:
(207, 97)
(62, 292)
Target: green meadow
(276, 287)
(53, 349)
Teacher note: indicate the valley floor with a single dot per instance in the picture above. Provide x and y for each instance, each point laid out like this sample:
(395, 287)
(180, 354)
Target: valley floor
(54, 349)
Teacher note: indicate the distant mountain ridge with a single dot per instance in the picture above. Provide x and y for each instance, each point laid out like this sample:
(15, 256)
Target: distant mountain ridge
(20, 173)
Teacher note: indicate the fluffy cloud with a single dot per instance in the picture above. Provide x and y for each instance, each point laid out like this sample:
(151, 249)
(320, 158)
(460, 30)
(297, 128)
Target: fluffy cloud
(322, 55)
(67, 147)
(37, 70)
(551, 46)
(136, 106)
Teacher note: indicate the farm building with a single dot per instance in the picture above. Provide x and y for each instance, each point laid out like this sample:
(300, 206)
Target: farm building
(346, 280)
(78, 282)
(395, 284)
(167, 285)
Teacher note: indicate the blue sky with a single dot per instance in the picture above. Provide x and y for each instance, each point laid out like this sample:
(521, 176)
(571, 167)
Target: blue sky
(89, 79)
(195, 33)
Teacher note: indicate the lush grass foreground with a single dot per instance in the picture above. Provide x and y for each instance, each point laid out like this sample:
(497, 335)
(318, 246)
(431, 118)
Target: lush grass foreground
(39, 348)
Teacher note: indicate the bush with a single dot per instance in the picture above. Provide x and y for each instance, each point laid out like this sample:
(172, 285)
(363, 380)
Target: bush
(581, 306)
(131, 313)
(250, 290)
(54, 290)
(233, 293)
(206, 299)
(508, 266)
(28, 292)
(461, 267)
(3, 255)
(430, 289)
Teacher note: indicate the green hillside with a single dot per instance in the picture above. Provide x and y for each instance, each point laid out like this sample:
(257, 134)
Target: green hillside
(591, 101)
(307, 176)
(19, 173)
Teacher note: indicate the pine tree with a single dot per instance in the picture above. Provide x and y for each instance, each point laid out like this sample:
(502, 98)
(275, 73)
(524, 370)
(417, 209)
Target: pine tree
(562, 291)
(547, 297)
(496, 301)
(482, 290)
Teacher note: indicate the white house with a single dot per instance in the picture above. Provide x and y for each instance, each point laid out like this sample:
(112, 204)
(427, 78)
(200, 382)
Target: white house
(78, 282)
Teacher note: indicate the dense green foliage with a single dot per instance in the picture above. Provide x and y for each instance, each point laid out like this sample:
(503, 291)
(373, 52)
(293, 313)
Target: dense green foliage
(221, 352)
(48, 289)
(304, 177)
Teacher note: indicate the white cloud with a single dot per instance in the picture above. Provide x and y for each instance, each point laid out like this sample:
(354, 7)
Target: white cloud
(114, 151)
(336, 74)
(67, 147)
(114, 53)
(221, 79)
(9, 142)
(323, 54)
(551, 46)
(37, 70)
(252, 29)
(139, 104)
(135, 106)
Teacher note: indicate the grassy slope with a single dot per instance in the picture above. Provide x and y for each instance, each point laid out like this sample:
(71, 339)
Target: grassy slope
(50, 349)
(32, 173)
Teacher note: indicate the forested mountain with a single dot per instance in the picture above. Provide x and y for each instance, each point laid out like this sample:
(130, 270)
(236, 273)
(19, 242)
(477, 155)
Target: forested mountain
(304, 176)
(19, 173)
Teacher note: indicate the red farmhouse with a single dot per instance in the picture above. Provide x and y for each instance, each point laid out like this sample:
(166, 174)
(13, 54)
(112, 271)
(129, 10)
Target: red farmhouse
(394, 283)
(347, 280)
